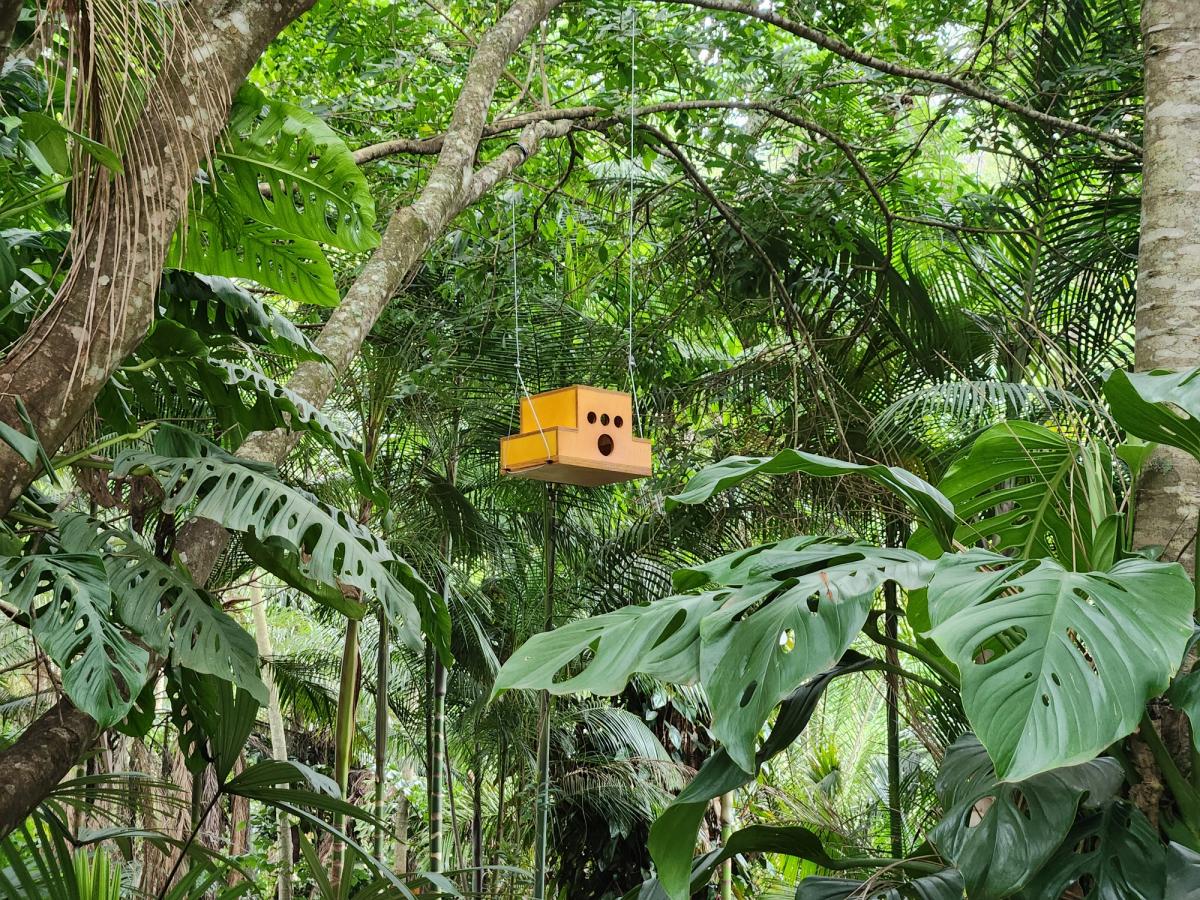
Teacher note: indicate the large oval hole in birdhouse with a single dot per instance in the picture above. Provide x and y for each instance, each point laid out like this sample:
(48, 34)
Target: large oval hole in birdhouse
(605, 444)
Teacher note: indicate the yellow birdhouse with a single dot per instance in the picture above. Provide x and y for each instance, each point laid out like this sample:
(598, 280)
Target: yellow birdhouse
(576, 435)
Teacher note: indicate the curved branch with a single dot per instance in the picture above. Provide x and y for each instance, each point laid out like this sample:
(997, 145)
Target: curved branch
(912, 73)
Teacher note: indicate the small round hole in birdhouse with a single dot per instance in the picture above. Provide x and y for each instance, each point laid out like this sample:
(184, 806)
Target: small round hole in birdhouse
(591, 418)
(605, 444)
(618, 421)
(604, 419)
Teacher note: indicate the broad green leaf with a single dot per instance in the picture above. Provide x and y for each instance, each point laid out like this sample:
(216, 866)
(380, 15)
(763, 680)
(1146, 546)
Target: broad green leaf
(926, 502)
(1113, 854)
(780, 614)
(1183, 872)
(660, 639)
(219, 310)
(789, 614)
(52, 138)
(673, 834)
(214, 720)
(165, 608)
(999, 835)
(314, 188)
(1057, 665)
(103, 671)
(944, 885)
(217, 241)
(1159, 406)
(789, 840)
(330, 545)
(1023, 489)
(1184, 695)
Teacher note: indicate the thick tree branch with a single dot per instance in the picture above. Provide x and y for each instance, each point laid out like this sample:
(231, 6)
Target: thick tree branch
(959, 86)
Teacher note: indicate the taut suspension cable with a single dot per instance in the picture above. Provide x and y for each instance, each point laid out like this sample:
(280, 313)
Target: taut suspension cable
(630, 360)
(516, 288)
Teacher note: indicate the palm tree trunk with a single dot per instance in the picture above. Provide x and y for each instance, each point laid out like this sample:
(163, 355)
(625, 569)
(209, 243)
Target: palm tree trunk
(437, 749)
(1168, 319)
(262, 637)
(1168, 289)
(546, 707)
(477, 826)
(382, 662)
(401, 823)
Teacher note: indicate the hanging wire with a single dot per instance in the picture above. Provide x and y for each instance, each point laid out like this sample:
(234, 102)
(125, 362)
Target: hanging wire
(516, 288)
(630, 361)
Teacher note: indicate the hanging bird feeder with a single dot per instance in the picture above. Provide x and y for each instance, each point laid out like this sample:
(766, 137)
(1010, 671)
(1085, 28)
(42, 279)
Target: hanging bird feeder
(576, 435)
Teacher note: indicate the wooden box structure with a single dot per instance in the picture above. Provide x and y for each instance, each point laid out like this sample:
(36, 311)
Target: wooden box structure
(576, 435)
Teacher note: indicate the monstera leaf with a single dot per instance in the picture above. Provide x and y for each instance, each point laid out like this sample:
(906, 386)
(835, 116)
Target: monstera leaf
(1112, 853)
(673, 835)
(223, 312)
(1000, 835)
(1057, 665)
(218, 241)
(164, 607)
(781, 613)
(1159, 406)
(926, 501)
(288, 169)
(1029, 491)
(102, 670)
(331, 547)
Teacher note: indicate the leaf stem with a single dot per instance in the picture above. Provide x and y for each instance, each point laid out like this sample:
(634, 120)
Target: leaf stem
(61, 462)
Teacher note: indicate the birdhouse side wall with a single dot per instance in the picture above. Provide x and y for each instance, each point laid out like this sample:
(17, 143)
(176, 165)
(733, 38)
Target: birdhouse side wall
(554, 409)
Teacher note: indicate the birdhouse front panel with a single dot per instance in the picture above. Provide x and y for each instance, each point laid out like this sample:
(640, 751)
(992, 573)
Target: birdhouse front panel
(576, 435)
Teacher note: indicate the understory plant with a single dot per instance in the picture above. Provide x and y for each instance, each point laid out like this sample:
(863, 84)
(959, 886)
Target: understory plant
(1025, 602)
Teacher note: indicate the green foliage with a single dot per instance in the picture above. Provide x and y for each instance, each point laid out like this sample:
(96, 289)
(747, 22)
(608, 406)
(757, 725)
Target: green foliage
(331, 546)
(1115, 849)
(673, 836)
(1057, 665)
(946, 885)
(779, 614)
(929, 505)
(284, 184)
(312, 186)
(1000, 835)
(103, 672)
(1159, 406)
(1024, 489)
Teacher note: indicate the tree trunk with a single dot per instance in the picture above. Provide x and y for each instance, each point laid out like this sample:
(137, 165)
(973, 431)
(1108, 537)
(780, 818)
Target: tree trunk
(382, 665)
(106, 303)
(262, 637)
(64, 733)
(1168, 313)
(1168, 288)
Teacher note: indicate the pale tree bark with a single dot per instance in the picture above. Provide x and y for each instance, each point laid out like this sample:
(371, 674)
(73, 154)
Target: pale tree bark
(1168, 317)
(42, 756)
(1168, 287)
(106, 304)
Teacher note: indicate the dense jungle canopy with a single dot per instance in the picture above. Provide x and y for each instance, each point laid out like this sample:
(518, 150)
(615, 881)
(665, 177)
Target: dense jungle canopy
(905, 294)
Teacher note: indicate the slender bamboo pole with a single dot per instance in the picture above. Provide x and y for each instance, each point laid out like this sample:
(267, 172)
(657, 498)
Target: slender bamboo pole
(343, 735)
(262, 636)
(549, 536)
(437, 745)
(382, 661)
(726, 831)
(893, 538)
